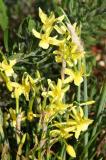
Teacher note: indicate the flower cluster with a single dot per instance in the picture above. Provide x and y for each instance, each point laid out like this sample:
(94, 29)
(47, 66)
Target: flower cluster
(50, 100)
(69, 50)
(69, 47)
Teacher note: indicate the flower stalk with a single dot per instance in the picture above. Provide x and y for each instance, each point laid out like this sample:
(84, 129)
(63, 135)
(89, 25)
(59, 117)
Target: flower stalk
(85, 107)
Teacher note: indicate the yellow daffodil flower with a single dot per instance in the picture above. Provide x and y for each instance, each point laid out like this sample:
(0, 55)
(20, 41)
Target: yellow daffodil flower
(48, 21)
(7, 67)
(47, 28)
(46, 40)
(76, 125)
(53, 109)
(18, 89)
(63, 129)
(60, 133)
(69, 52)
(80, 122)
(24, 88)
(57, 91)
(14, 117)
(75, 76)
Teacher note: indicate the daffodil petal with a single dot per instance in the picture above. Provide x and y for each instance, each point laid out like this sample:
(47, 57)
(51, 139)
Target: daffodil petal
(59, 84)
(54, 41)
(43, 44)
(60, 18)
(87, 103)
(78, 79)
(12, 62)
(42, 16)
(68, 79)
(81, 112)
(36, 34)
(58, 29)
(77, 134)
(69, 72)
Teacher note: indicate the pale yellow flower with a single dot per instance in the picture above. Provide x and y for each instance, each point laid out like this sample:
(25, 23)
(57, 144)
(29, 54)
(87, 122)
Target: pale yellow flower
(69, 52)
(55, 108)
(14, 117)
(19, 89)
(80, 122)
(57, 92)
(74, 125)
(46, 40)
(7, 67)
(48, 21)
(76, 76)
(47, 28)
(60, 133)
(75, 38)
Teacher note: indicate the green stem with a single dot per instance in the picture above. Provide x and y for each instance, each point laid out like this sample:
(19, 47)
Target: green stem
(79, 87)
(31, 102)
(85, 109)
(78, 94)
(17, 125)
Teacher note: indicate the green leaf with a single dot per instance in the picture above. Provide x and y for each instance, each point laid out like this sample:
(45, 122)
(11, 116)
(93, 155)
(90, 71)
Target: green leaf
(4, 22)
(31, 24)
(3, 16)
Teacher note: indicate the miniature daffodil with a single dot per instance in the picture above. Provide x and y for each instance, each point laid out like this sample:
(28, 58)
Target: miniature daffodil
(46, 40)
(81, 123)
(57, 91)
(76, 76)
(6, 67)
(14, 117)
(47, 28)
(76, 124)
(69, 52)
(48, 21)
(55, 108)
(60, 133)
(18, 89)
(75, 38)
